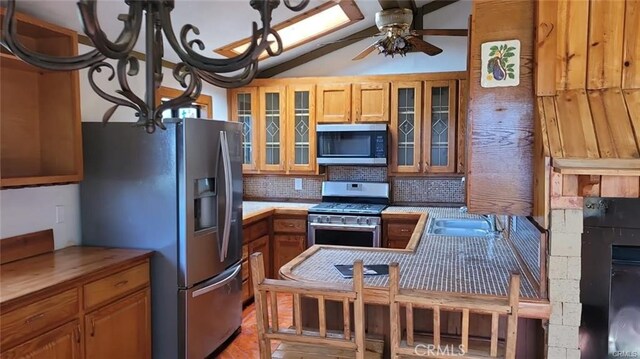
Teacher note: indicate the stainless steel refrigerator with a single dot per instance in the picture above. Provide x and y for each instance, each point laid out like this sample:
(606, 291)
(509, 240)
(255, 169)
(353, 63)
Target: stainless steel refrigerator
(178, 192)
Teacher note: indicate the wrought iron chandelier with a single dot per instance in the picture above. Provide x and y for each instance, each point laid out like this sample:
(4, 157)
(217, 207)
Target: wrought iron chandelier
(157, 15)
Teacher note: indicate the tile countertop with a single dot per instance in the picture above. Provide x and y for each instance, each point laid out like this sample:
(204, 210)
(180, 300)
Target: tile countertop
(465, 265)
(250, 208)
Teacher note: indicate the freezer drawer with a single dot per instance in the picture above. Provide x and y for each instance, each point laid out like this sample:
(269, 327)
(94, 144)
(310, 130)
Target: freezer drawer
(212, 313)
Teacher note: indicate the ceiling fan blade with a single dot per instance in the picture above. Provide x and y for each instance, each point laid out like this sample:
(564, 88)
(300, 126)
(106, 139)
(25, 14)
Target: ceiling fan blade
(365, 52)
(388, 4)
(442, 32)
(423, 46)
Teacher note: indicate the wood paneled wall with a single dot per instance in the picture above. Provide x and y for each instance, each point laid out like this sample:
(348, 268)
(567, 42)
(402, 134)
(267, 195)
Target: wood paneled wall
(587, 45)
(500, 146)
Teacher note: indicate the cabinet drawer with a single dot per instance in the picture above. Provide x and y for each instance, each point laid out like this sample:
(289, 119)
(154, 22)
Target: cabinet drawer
(256, 230)
(22, 323)
(400, 230)
(113, 286)
(290, 225)
(245, 270)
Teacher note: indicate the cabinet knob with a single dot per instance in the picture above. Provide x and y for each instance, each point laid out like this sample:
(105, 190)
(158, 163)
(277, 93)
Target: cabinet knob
(93, 327)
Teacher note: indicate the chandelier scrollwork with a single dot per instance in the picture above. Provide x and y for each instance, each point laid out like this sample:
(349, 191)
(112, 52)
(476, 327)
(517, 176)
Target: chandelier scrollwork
(190, 72)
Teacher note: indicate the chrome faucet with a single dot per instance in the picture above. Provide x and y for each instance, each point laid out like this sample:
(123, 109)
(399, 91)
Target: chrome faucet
(493, 223)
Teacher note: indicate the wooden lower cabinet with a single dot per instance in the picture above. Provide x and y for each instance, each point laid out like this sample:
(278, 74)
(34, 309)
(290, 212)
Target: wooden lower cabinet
(285, 248)
(62, 342)
(262, 245)
(256, 237)
(121, 329)
(109, 314)
(396, 233)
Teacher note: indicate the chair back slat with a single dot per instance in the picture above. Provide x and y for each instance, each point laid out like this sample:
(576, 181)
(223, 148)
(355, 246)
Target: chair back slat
(494, 334)
(297, 313)
(436, 326)
(274, 311)
(409, 320)
(465, 328)
(272, 329)
(322, 317)
(512, 318)
(346, 318)
(358, 308)
(465, 305)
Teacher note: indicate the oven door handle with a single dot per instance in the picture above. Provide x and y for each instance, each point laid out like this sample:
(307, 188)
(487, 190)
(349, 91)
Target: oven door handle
(351, 227)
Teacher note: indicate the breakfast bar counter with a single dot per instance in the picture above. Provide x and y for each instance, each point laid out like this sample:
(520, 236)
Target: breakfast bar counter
(459, 266)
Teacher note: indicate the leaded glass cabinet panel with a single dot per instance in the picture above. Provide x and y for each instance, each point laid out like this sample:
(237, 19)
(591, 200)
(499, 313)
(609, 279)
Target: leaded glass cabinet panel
(244, 109)
(272, 127)
(440, 126)
(301, 144)
(405, 128)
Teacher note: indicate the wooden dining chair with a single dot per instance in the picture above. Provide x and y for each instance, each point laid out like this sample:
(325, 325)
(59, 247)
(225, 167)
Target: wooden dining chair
(299, 343)
(435, 345)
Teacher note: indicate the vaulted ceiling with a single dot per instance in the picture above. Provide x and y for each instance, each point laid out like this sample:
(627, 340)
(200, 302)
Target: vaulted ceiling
(224, 21)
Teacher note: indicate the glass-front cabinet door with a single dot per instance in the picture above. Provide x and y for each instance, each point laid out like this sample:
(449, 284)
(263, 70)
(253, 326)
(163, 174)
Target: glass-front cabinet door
(405, 128)
(272, 128)
(440, 126)
(244, 109)
(301, 129)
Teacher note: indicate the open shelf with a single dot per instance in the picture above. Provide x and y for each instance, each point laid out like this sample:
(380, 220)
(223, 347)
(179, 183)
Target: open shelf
(40, 134)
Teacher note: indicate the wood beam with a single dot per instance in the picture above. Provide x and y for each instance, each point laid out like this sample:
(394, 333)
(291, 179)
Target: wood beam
(319, 52)
(436, 5)
(348, 40)
(388, 4)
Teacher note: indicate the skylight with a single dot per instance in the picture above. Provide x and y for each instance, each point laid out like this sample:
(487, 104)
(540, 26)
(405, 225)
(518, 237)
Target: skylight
(313, 24)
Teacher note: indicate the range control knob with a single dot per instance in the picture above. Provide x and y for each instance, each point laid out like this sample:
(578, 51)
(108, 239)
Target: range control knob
(368, 220)
(358, 220)
(327, 219)
(343, 220)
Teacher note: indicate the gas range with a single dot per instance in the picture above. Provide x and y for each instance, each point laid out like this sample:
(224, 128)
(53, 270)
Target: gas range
(350, 214)
(348, 208)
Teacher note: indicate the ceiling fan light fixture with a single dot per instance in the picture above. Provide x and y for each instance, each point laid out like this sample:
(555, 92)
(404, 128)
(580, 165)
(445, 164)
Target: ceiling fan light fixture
(394, 18)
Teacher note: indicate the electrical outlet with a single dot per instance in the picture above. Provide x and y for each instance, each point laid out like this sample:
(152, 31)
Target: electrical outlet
(297, 184)
(59, 214)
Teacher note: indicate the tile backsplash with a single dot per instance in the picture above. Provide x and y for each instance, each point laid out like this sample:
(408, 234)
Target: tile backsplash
(357, 173)
(423, 190)
(272, 188)
(427, 190)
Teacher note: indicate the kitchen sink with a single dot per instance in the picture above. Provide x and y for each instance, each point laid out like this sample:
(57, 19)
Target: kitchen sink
(459, 227)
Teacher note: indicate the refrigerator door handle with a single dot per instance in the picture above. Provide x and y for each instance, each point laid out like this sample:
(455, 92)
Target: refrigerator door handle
(226, 162)
(216, 285)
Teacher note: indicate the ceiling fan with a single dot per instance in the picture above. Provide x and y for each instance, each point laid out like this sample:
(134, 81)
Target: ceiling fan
(397, 36)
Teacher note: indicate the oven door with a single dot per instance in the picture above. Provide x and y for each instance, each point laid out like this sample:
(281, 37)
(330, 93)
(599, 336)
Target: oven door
(344, 234)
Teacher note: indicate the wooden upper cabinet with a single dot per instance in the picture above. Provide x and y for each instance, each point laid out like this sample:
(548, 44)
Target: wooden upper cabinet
(301, 130)
(405, 128)
(370, 102)
(333, 103)
(40, 134)
(272, 127)
(440, 126)
(244, 109)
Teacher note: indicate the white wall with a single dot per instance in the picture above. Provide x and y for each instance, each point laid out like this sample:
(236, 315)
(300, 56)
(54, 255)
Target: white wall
(28, 210)
(452, 58)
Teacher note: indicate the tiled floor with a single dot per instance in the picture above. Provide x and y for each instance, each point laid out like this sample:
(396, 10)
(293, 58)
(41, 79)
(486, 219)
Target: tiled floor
(245, 345)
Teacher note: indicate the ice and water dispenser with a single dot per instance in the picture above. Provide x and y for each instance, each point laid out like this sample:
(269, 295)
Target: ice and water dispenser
(204, 206)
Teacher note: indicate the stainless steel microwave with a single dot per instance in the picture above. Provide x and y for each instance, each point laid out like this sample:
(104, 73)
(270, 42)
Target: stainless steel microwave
(358, 144)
